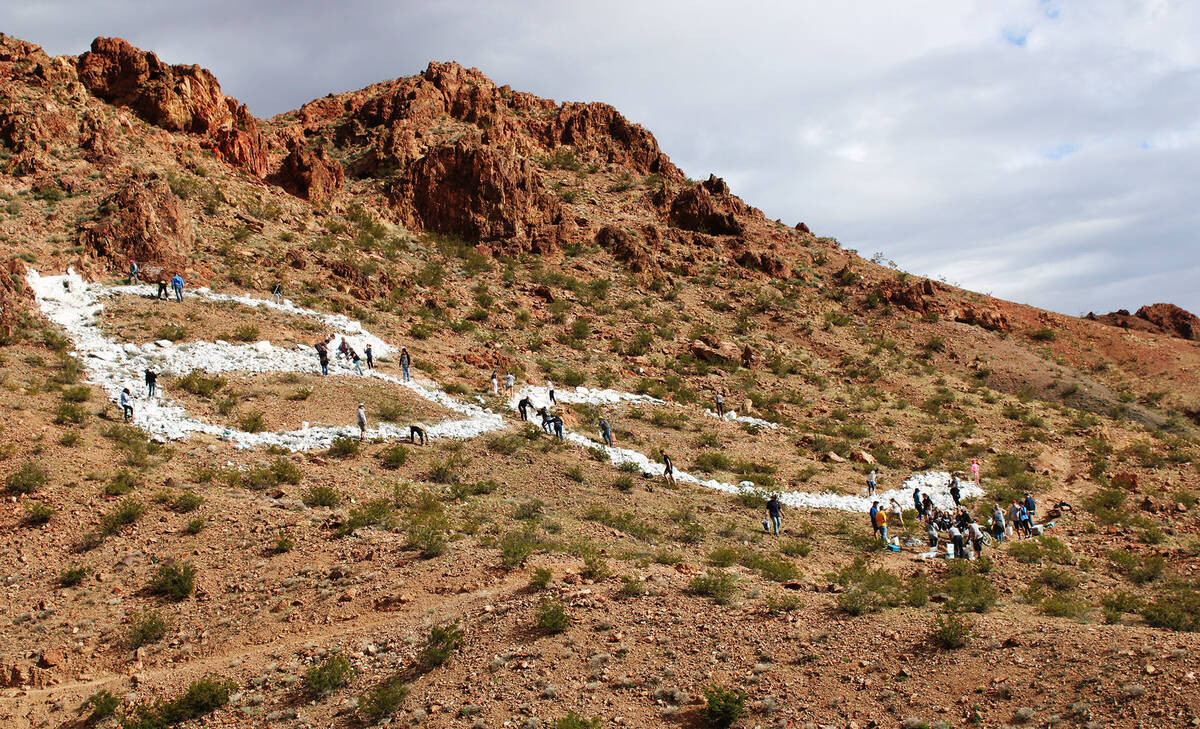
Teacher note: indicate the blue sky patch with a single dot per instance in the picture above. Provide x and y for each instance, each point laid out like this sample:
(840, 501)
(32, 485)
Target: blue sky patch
(1063, 150)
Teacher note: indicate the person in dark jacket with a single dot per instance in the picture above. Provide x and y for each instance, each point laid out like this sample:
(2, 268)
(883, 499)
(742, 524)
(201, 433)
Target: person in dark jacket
(415, 432)
(370, 357)
(668, 468)
(405, 362)
(523, 408)
(917, 502)
(126, 405)
(557, 424)
(277, 293)
(775, 513)
(162, 288)
(1031, 507)
(874, 512)
(954, 491)
(151, 382)
(605, 431)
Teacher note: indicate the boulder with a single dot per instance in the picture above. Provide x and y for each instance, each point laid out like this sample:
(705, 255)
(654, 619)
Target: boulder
(694, 209)
(309, 173)
(627, 246)
(144, 222)
(1172, 320)
(480, 194)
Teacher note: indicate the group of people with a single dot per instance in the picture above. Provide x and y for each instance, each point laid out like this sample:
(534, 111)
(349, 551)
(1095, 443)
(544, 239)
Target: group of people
(345, 352)
(176, 282)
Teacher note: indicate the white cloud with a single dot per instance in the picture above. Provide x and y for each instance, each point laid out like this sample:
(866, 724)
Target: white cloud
(1039, 150)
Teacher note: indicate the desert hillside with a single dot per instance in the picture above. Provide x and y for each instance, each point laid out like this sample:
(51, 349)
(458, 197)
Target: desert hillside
(235, 551)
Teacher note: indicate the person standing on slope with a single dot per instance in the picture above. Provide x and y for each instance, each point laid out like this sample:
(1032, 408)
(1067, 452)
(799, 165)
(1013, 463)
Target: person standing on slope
(405, 362)
(362, 421)
(177, 285)
(882, 516)
(277, 292)
(975, 470)
(775, 514)
(355, 359)
(322, 348)
(151, 382)
(495, 384)
(997, 523)
(954, 492)
(370, 357)
(720, 402)
(874, 512)
(523, 407)
(133, 272)
(605, 431)
(668, 468)
(510, 384)
(550, 392)
(917, 502)
(557, 422)
(126, 405)
(872, 479)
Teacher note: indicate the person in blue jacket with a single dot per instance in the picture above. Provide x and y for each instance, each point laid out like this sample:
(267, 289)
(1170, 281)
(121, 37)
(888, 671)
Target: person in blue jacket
(177, 286)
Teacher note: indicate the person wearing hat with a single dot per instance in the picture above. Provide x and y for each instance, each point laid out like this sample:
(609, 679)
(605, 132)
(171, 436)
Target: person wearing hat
(362, 421)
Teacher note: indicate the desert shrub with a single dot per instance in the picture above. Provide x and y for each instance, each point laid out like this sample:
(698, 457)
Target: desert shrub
(776, 569)
(394, 457)
(516, 547)
(575, 721)
(723, 707)
(717, 585)
(252, 422)
(203, 696)
(1107, 505)
(575, 473)
(868, 590)
(200, 384)
(377, 512)
(327, 677)
(121, 483)
(1057, 579)
(127, 511)
(284, 542)
(1045, 334)
(1119, 602)
(285, 471)
(440, 644)
(711, 461)
(321, 496)
(244, 333)
(795, 548)
(1176, 609)
(194, 526)
(463, 490)
(623, 521)
(1062, 605)
(1152, 535)
(171, 332)
(174, 581)
(383, 700)
(343, 447)
(724, 556)
(72, 575)
(427, 533)
(145, 627)
(951, 631)
(445, 471)
(970, 593)
(1025, 552)
(540, 579)
(69, 413)
(624, 483)
(1139, 570)
(28, 478)
(37, 513)
(186, 501)
(552, 616)
(594, 567)
(99, 706)
(632, 586)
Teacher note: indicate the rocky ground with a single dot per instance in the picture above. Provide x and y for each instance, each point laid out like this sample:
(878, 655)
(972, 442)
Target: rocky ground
(486, 229)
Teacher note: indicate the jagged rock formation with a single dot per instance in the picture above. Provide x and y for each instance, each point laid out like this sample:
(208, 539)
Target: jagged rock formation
(1158, 318)
(143, 221)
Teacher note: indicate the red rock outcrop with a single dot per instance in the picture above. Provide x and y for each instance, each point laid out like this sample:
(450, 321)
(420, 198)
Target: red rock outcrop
(15, 298)
(626, 246)
(309, 173)
(1158, 318)
(1172, 319)
(616, 140)
(694, 209)
(480, 194)
(144, 222)
(991, 319)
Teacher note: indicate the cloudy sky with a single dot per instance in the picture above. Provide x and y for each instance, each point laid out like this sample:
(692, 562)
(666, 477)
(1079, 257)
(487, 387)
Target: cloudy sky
(1045, 151)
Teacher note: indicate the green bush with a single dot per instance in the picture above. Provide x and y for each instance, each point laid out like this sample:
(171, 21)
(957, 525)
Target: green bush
(197, 383)
(127, 511)
(540, 579)
(717, 585)
(1148, 568)
(1063, 606)
(1177, 609)
(575, 721)
(121, 483)
(723, 707)
(383, 700)
(575, 473)
(343, 447)
(623, 483)
(321, 496)
(394, 457)
(970, 593)
(868, 590)
(69, 413)
(285, 471)
(441, 643)
(145, 627)
(174, 581)
(187, 501)
(194, 526)
(202, 697)
(516, 547)
(28, 478)
(327, 677)
(72, 575)
(1025, 552)
(99, 706)
(37, 513)
(1057, 579)
(252, 422)
(244, 333)
(377, 512)
(552, 617)
(171, 332)
(951, 632)
(284, 542)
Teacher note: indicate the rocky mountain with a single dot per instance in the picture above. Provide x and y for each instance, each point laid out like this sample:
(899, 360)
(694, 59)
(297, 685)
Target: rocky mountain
(254, 564)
